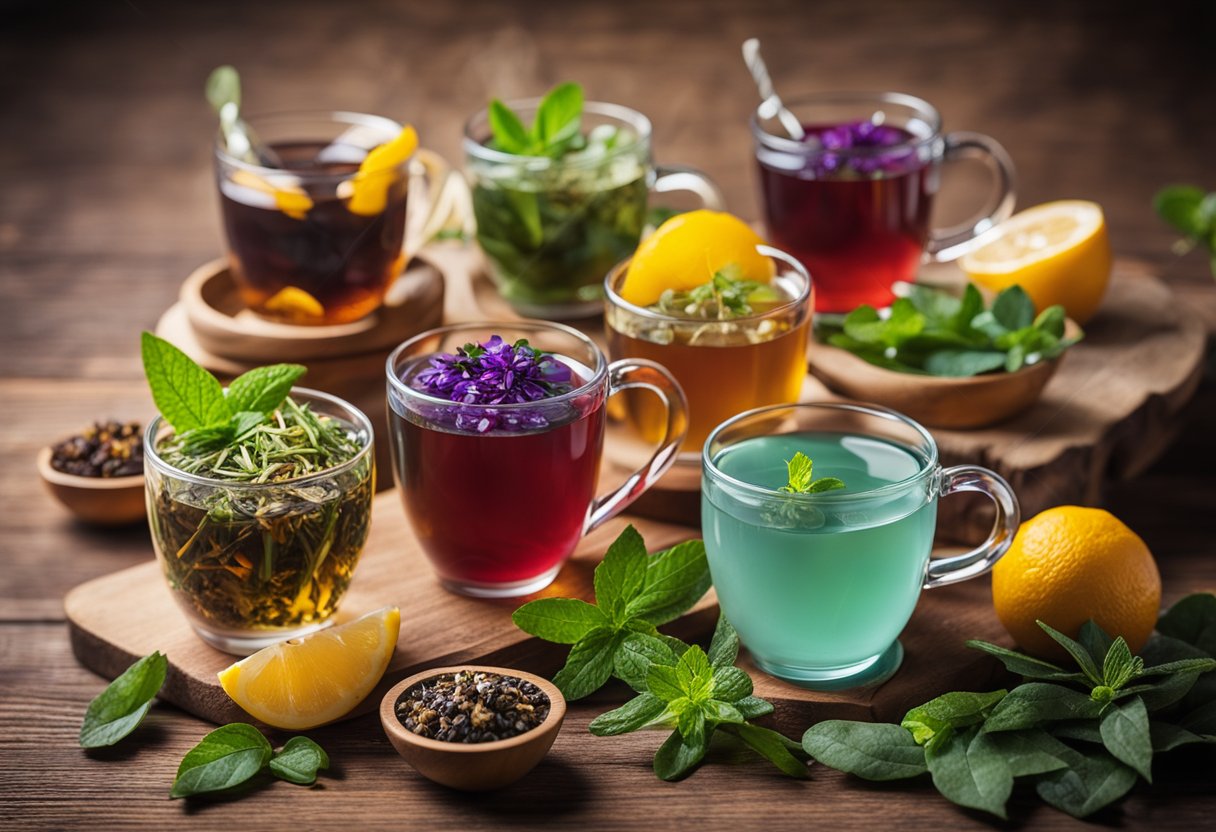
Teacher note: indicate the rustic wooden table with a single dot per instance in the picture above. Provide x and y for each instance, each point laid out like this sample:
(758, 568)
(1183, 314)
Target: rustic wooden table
(108, 203)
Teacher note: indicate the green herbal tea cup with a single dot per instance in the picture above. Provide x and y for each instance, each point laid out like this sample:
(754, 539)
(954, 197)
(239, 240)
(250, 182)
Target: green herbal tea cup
(551, 228)
(820, 585)
(251, 564)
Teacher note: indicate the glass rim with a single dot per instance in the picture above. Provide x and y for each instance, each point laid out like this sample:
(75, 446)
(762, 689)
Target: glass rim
(350, 117)
(598, 376)
(357, 416)
(618, 271)
(928, 465)
(641, 125)
(790, 145)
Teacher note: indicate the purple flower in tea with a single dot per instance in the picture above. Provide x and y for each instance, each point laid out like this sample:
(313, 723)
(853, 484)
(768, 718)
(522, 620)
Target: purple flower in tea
(838, 141)
(494, 373)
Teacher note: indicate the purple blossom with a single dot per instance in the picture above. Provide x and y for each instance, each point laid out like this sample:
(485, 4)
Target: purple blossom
(494, 373)
(839, 142)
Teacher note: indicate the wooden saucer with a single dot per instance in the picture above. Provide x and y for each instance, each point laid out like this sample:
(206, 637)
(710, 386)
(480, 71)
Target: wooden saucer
(225, 328)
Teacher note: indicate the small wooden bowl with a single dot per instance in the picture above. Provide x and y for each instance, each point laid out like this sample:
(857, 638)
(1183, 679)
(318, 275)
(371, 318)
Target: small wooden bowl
(103, 501)
(936, 401)
(473, 767)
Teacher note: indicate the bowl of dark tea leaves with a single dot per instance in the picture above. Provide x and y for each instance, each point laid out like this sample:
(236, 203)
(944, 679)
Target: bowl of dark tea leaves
(473, 728)
(259, 498)
(98, 474)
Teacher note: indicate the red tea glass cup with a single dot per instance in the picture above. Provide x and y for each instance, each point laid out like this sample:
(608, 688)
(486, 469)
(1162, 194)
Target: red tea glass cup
(853, 200)
(500, 495)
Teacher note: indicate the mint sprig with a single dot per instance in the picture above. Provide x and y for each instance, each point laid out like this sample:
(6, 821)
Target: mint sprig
(194, 403)
(724, 296)
(1081, 736)
(635, 593)
(935, 333)
(234, 754)
(1192, 213)
(555, 131)
(121, 707)
(800, 480)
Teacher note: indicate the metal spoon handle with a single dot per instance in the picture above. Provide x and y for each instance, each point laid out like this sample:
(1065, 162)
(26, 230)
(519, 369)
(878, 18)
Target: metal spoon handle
(770, 104)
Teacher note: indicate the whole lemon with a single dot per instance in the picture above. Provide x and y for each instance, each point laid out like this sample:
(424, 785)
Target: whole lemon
(1069, 564)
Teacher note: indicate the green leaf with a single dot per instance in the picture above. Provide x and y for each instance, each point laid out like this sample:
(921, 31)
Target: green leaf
(1031, 751)
(1034, 703)
(223, 87)
(753, 706)
(227, 757)
(635, 656)
(1179, 205)
(675, 581)
(1202, 720)
(938, 717)
(1092, 780)
(634, 715)
(799, 471)
(664, 683)
(695, 676)
(510, 135)
(1013, 308)
(718, 712)
(781, 751)
(730, 684)
(724, 646)
(970, 770)
(243, 422)
(1095, 640)
(1051, 321)
(690, 722)
(873, 751)
(620, 576)
(1181, 666)
(589, 664)
(1166, 737)
(1192, 620)
(963, 363)
(1079, 654)
(560, 620)
(262, 389)
(559, 116)
(1125, 733)
(185, 394)
(1166, 692)
(676, 758)
(1024, 665)
(119, 709)
(298, 761)
(937, 306)
(1120, 666)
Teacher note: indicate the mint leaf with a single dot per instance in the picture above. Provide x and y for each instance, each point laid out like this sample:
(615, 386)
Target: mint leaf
(1092, 780)
(117, 711)
(635, 656)
(298, 761)
(664, 682)
(1167, 737)
(1095, 640)
(560, 620)
(799, 469)
(724, 646)
(936, 719)
(750, 707)
(1034, 703)
(1024, 665)
(227, 757)
(675, 580)
(676, 758)
(730, 684)
(262, 389)
(559, 117)
(589, 664)
(963, 363)
(1125, 733)
(873, 751)
(510, 135)
(1192, 620)
(1120, 666)
(784, 753)
(1013, 308)
(969, 769)
(634, 715)
(185, 394)
(1029, 752)
(694, 674)
(1179, 205)
(690, 722)
(1080, 655)
(621, 574)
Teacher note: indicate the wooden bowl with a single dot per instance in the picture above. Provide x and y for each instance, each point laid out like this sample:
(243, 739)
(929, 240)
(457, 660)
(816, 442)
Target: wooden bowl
(103, 501)
(936, 401)
(473, 767)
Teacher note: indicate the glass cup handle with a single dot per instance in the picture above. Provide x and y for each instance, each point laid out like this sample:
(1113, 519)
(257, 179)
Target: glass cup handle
(670, 178)
(437, 199)
(629, 374)
(947, 244)
(980, 559)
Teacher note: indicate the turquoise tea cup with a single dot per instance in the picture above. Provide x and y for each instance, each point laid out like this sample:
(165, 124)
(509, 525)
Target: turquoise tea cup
(820, 585)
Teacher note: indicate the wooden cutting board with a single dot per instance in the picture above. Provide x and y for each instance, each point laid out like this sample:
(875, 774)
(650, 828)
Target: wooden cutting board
(115, 619)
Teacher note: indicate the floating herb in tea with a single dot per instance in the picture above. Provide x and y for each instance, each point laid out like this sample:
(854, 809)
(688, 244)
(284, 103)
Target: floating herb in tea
(725, 296)
(249, 536)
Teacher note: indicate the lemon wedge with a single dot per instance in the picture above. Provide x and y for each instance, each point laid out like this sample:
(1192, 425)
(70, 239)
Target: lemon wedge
(375, 175)
(687, 250)
(290, 199)
(302, 683)
(295, 304)
(1058, 252)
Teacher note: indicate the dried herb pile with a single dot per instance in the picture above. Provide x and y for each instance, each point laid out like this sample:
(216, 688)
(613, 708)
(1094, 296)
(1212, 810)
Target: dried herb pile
(472, 707)
(107, 449)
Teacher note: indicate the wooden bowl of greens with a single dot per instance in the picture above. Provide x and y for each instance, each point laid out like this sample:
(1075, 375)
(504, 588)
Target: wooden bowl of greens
(944, 360)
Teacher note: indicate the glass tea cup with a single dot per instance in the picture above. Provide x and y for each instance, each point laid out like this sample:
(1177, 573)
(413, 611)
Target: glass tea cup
(252, 564)
(723, 367)
(853, 200)
(552, 228)
(500, 495)
(819, 586)
(302, 248)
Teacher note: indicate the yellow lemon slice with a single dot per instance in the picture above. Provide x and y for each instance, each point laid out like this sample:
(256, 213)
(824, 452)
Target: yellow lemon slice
(294, 304)
(1058, 252)
(291, 200)
(375, 175)
(687, 250)
(302, 683)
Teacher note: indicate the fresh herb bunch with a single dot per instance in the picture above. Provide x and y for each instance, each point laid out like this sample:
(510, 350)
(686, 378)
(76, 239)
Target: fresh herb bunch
(1082, 736)
(555, 131)
(725, 296)
(1193, 214)
(679, 686)
(935, 333)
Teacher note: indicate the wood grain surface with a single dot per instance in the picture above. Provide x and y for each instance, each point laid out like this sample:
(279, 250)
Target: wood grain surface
(108, 202)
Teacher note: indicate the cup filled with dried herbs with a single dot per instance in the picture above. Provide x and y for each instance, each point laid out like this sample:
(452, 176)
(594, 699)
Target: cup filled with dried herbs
(259, 497)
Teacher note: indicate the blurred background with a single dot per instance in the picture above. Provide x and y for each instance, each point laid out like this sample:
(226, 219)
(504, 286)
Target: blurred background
(108, 200)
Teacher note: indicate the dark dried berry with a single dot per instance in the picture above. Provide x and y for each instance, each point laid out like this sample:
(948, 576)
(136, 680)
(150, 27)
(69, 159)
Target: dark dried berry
(107, 449)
